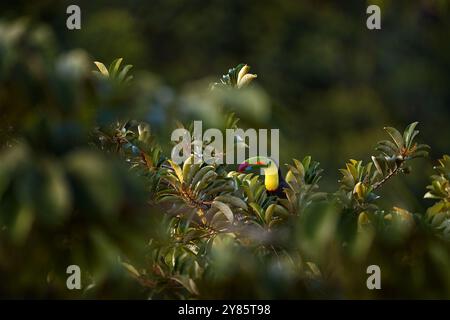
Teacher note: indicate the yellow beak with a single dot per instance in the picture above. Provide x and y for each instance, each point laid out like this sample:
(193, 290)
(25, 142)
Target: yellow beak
(271, 181)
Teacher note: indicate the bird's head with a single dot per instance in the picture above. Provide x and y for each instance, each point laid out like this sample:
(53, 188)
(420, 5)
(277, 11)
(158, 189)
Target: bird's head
(266, 166)
(247, 166)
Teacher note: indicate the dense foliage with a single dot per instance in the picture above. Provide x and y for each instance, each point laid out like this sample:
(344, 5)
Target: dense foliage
(84, 180)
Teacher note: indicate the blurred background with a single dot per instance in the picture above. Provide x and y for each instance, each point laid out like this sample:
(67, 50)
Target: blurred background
(327, 82)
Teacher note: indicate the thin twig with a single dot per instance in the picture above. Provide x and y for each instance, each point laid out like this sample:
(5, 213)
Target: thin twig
(390, 175)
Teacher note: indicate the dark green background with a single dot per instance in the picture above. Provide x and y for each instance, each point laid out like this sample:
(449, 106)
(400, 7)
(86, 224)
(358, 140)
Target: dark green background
(333, 83)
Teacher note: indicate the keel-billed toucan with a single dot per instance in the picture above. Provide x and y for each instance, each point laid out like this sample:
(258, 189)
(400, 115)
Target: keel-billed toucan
(273, 180)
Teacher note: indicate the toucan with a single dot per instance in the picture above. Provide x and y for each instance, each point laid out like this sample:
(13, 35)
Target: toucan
(273, 179)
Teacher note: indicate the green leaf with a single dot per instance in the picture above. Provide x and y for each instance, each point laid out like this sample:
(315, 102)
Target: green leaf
(130, 268)
(102, 68)
(389, 146)
(396, 136)
(422, 147)
(177, 170)
(235, 201)
(377, 165)
(224, 209)
(124, 72)
(269, 212)
(187, 283)
(419, 154)
(207, 178)
(280, 210)
(306, 162)
(430, 195)
(200, 174)
(187, 168)
(409, 134)
(258, 210)
(114, 67)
